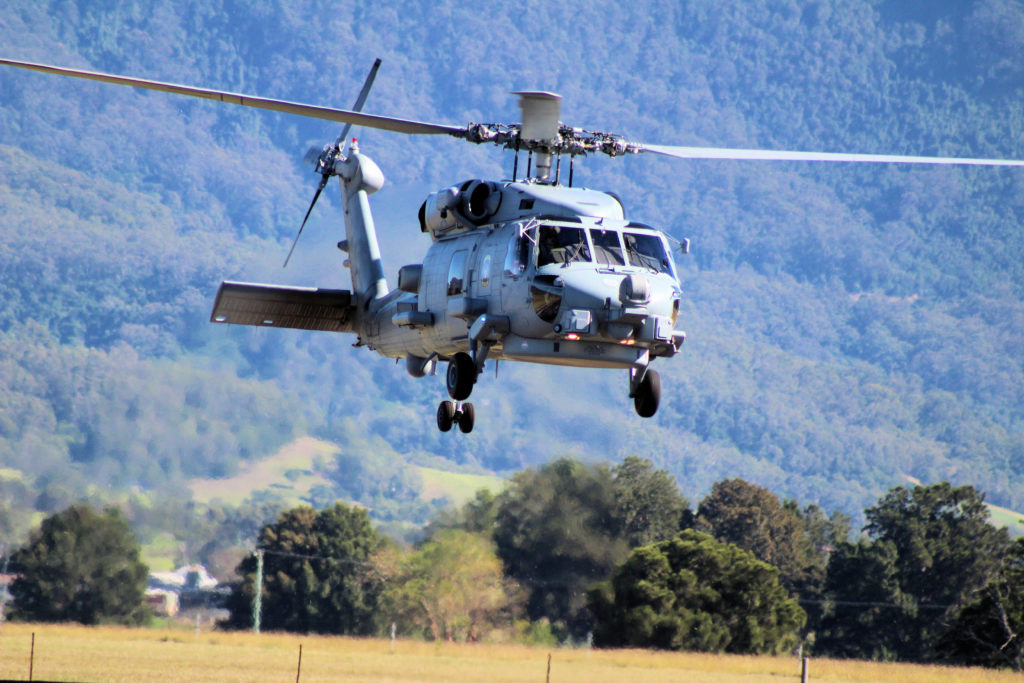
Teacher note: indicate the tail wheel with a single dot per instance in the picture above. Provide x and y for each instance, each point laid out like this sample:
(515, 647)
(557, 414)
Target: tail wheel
(461, 376)
(648, 395)
(445, 415)
(467, 418)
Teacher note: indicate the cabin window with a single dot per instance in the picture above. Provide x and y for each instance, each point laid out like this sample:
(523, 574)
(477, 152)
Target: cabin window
(607, 249)
(457, 273)
(558, 244)
(485, 271)
(648, 251)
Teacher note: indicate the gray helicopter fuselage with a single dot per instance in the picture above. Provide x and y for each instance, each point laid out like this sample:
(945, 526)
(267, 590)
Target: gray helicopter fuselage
(536, 273)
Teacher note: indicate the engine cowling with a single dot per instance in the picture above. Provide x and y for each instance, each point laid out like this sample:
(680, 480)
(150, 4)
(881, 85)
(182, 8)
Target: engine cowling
(460, 208)
(437, 214)
(479, 200)
(409, 278)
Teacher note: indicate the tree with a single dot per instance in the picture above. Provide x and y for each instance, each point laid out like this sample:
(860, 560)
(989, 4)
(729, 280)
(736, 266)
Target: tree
(452, 588)
(317, 574)
(477, 515)
(824, 533)
(990, 631)
(648, 501)
(752, 517)
(81, 566)
(695, 593)
(557, 532)
(947, 551)
(866, 604)
(943, 554)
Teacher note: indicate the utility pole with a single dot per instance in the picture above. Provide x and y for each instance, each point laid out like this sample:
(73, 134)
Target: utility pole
(4, 595)
(257, 600)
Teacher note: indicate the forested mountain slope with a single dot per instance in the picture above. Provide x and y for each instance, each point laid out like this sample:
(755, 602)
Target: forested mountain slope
(848, 326)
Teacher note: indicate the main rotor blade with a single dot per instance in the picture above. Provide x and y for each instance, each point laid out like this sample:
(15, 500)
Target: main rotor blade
(389, 123)
(770, 155)
(360, 101)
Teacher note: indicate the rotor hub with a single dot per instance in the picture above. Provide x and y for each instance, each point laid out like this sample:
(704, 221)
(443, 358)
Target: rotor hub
(572, 141)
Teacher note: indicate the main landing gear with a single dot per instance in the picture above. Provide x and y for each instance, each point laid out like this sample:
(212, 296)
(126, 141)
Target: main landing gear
(461, 376)
(450, 413)
(462, 373)
(645, 389)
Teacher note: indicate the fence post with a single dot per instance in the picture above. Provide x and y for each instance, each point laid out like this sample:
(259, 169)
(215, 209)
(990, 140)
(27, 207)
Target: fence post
(803, 669)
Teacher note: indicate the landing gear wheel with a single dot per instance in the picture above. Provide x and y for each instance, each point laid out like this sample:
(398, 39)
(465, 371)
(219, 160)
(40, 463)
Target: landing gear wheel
(461, 376)
(648, 395)
(467, 418)
(445, 415)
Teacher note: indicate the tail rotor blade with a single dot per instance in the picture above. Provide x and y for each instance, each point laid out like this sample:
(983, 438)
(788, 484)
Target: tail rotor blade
(360, 101)
(324, 159)
(316, 196)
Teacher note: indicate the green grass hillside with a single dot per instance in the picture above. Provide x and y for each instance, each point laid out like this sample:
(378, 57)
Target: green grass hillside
(296, 470)
(291, 472)
(457, 487)
(1013, 521)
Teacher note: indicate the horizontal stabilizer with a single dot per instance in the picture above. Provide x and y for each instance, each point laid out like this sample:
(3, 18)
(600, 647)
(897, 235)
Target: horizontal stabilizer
(301, 308)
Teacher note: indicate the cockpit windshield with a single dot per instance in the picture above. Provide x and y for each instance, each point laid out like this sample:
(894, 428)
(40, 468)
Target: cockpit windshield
(559, 244)
(647, 251)
(607, 249)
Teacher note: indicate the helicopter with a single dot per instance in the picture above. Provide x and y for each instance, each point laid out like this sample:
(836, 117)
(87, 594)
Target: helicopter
(523, 269)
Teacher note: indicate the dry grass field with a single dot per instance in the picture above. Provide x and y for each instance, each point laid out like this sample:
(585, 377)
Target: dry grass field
(75, 653)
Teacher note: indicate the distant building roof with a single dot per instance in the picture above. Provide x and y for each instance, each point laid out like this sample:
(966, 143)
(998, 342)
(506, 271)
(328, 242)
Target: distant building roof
(193, 577)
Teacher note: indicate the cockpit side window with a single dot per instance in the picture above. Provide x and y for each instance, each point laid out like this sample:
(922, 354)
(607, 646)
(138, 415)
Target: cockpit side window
(517, 257)
(558, 244)
(513, 265)
(526, 242)
(607, 250)
(647, 251)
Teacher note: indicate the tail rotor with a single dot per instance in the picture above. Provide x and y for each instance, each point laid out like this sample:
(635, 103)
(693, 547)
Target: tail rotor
(324, 159)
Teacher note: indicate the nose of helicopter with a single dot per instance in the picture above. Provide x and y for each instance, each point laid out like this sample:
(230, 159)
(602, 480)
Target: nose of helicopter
(614, 304)
(589, 289)
(595, 290)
